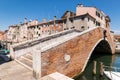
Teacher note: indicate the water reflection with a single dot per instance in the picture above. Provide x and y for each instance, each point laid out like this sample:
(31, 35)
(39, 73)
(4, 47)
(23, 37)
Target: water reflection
(107, 59)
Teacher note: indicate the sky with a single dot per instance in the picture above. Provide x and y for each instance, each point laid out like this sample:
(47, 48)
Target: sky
(14, 11)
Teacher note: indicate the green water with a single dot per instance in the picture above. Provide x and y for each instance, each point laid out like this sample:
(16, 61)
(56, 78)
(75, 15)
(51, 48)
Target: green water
(107, 59)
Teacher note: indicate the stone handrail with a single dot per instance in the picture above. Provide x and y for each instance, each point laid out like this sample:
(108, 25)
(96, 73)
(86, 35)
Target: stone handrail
(18, 50)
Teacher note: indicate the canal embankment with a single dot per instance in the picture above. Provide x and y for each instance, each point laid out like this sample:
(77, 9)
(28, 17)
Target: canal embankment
(117, 49)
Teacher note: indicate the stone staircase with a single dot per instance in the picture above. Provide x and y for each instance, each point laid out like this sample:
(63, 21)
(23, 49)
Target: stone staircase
(26, 61)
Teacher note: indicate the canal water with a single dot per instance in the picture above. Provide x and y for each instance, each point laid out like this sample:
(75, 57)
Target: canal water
(107, 59)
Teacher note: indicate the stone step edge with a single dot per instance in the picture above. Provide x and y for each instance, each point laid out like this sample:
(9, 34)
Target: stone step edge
(24, 65)
(29, 55)
(26, 59)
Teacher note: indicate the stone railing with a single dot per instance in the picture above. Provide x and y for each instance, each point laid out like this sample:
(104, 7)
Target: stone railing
(16, 50)
(20, 49)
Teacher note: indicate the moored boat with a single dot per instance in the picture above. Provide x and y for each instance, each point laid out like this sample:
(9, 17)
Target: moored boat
(112, 75)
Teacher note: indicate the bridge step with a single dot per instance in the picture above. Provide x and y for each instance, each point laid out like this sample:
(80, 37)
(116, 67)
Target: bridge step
(24, 64)
(29, 56)
(26, 60)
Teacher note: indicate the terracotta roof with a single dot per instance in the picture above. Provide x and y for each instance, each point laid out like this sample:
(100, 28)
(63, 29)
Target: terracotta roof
(1, 32)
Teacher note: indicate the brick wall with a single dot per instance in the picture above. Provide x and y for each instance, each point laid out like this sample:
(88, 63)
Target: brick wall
(79, 50)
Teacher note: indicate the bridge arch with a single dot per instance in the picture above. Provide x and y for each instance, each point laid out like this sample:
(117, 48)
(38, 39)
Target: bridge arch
(99, 47)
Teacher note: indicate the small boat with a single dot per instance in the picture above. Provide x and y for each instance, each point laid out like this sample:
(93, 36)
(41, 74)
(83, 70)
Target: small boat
(112, 75)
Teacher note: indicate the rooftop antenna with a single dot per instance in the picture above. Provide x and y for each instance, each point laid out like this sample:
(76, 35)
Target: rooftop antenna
(56, 11)
(48, 16)
(30, 20)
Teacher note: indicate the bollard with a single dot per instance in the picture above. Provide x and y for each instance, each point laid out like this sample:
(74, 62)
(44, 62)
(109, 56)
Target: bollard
(94, 68)
(101, 69)
(94, 77)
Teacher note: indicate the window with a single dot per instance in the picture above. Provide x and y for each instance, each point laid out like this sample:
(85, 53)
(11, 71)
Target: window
(39, 28)
(71, 21)
(98, 14)
(82, 28)
(82, 18)
(64, 22)
(88, 19)
(73, 27)
(101, 17)
(98, 23)
(37, 32)
(94, 21)
(88, 27)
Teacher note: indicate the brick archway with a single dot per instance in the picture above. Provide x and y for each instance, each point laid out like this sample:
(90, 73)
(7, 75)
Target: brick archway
(106, 48)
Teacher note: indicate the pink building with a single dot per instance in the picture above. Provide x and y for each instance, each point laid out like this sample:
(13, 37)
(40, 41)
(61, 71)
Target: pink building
(94, 12)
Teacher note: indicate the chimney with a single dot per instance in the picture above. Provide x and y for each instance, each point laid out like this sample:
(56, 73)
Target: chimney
(80, 5)
(36, 22)
(68, 21)
(25, 20)
(55, 20)
(44, 20)
(68, 14)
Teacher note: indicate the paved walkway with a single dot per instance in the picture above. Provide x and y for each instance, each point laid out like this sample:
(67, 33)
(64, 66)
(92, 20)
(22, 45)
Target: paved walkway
(56, 76)
(14, 71)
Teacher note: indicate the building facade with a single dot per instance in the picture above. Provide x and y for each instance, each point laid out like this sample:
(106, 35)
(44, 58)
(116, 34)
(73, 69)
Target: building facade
(13, 34)
(1, 35)
(84, 18)
(94, 12)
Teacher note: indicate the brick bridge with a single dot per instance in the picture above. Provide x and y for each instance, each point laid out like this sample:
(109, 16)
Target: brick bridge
(66, 52)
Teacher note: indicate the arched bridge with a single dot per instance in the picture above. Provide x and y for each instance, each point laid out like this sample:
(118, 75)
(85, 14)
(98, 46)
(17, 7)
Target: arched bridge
(66, 52)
